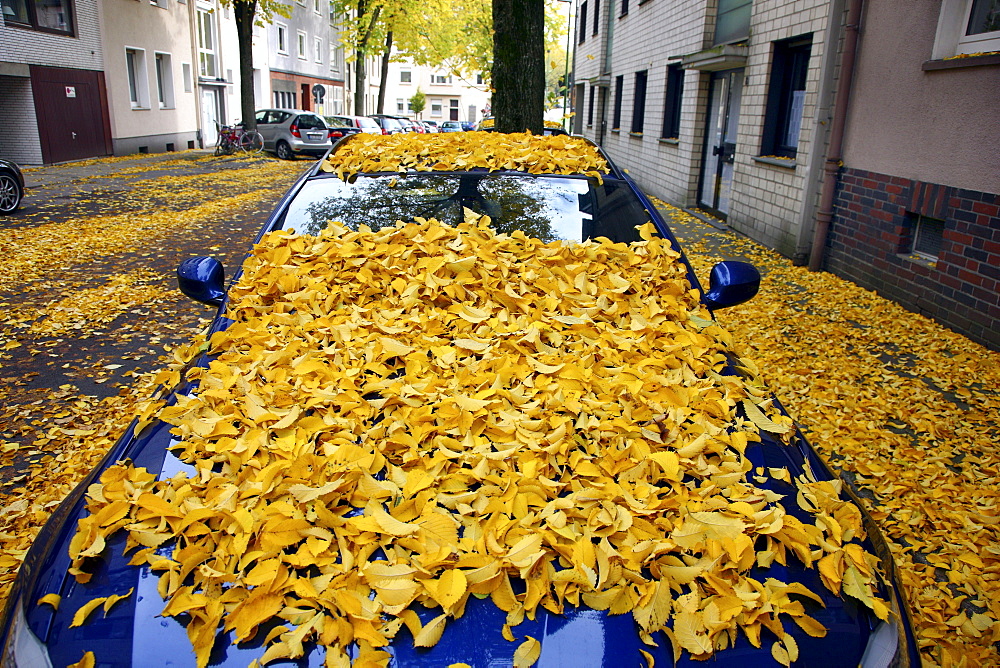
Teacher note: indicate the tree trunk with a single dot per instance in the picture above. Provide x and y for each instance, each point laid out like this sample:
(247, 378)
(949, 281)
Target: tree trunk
(359, 83)
(518, 65)
(385, 72)
(243, 12)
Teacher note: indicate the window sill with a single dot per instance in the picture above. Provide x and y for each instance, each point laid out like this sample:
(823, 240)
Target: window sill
(136, 107)
(670, 141)
(616, 131)
(916, 259)
(961, 62)
(638, 135)
(787, 163)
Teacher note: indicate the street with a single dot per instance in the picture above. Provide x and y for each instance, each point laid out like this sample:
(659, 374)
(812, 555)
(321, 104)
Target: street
(902, 408)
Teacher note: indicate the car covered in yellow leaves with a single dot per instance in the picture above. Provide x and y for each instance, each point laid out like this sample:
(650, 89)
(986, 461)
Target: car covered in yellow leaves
(464, 404)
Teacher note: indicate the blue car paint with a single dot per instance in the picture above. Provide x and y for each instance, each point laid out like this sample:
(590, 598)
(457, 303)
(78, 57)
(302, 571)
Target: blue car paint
(577, 637)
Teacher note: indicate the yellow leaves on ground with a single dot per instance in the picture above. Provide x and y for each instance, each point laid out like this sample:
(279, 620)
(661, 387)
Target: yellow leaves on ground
(449, 151)
(907, 411)
(84, 309)
(367, 439)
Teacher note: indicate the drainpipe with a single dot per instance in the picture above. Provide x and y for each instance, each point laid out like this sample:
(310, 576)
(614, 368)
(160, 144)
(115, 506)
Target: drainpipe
(835, 151)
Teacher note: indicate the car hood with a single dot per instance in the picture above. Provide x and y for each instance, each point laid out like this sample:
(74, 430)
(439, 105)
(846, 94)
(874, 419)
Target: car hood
(132, 632)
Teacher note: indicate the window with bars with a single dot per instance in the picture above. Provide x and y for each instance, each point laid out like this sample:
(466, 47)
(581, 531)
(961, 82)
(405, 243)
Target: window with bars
(924, 237)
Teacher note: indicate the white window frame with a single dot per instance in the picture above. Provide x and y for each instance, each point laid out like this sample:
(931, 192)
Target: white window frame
(301, 44)
(162, 4)
(207, 52)
(138, 82)
(436, 108)
(951, 40)
(318, 50)
(409, 80)
(164, 70)
(281, 38)
(186, 76)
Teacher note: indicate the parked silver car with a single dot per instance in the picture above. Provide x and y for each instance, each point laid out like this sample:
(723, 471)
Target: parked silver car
(292, 132)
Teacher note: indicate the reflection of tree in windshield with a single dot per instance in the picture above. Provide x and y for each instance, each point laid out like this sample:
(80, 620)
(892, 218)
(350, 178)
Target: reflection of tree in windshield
(512, 203)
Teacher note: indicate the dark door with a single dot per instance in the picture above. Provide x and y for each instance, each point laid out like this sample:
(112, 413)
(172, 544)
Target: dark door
(305, 98)
(602, 113)
(72, 114)
(722, 121)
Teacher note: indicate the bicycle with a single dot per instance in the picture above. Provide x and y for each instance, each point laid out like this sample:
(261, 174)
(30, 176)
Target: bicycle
(233, 137)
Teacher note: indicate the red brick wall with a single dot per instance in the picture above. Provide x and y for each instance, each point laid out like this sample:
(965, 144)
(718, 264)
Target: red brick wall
(962, 289)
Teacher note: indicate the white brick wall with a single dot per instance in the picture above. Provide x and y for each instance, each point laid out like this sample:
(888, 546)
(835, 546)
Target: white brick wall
(766, 200)
(18, 131)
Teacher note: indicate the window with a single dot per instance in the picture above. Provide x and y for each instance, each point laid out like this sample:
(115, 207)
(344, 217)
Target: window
(732, 21)
(624, 10)
(453, 110)
(435, 107)
(186, 76)
(617, 118)
(284, 99)
(672, 106)
(159, 3)
(281, 32)
(138, 88)
(590, 107)
(318, 49)
(164, 80)
(337, 58)
(967, 26)
(639, 103)
(582, 19)
(597, 14)
(923, 237)
(479, 80)
(43, 15)
(405, 76)
(338, 99)
(206, 45)
(301, 45)
(318, 7)
(441, 79)
(786, 97)
(400, 105)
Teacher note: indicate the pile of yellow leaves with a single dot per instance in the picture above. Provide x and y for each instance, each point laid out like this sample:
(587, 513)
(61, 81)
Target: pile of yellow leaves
(450, 151)
(425, 413)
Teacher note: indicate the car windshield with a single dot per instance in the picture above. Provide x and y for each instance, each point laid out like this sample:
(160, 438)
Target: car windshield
(545, 207)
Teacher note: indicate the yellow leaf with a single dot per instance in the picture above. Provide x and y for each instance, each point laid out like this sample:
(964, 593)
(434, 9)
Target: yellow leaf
(431, 632)
(80, 617)
(87, 661)
(527, 653)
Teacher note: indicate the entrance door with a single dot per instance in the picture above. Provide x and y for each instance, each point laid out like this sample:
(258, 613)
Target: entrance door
(211, 115)
(720, 141)
(71, 113)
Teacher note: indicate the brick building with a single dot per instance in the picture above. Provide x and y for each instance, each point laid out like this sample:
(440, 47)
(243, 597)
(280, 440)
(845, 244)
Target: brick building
(729, 106)
(917, 213)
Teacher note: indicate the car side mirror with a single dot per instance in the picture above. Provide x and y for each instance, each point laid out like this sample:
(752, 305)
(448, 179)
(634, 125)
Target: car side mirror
(731, 283)
(202, 279)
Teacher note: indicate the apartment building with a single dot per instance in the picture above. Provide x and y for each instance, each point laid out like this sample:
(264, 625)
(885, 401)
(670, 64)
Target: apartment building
(306, 61)
(917, 210)
(449, 96)
(53, 98)
(727, 106)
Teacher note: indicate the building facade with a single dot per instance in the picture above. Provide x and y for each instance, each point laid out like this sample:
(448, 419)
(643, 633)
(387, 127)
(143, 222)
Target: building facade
(449, 96)
(306, 61)
(727, 106)
(53, 97)
(917, 213)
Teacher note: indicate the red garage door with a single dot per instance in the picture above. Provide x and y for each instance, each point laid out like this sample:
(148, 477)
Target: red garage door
(71, 108)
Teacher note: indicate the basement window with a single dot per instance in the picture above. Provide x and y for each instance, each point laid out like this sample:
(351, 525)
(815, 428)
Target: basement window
(924, 237)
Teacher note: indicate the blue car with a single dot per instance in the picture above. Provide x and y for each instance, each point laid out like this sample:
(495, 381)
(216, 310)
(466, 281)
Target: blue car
(763, 519)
